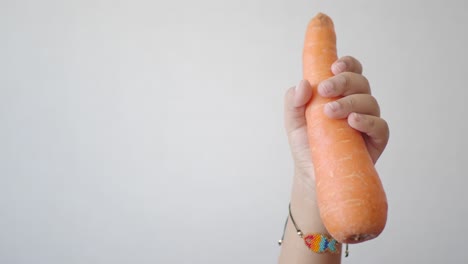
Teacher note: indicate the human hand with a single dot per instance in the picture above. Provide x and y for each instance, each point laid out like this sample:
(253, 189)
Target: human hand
(357, 105)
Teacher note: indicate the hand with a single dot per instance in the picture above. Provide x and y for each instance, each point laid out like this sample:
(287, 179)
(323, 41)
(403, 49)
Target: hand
(357, 105)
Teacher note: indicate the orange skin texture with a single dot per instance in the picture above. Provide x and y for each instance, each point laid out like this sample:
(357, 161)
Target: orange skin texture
(351, 199)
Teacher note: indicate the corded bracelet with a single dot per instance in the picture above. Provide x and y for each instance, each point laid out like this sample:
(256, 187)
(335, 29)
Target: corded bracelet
(318, 243)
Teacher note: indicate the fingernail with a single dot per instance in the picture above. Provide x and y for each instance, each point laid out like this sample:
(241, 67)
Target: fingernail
(333, 106)
(297, 94)
(299, 84)
(357, 117)
(338, 67)
(325, 88)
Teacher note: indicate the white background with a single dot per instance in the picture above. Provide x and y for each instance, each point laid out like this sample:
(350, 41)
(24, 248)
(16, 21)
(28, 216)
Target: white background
(152, 131)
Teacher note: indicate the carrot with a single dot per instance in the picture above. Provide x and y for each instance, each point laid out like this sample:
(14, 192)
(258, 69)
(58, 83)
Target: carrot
(350, 195)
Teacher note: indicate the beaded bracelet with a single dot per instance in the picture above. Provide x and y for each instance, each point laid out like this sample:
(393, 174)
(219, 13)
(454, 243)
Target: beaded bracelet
(318, 243)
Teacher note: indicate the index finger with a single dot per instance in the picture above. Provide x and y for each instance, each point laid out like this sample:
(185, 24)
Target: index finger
(346, 64)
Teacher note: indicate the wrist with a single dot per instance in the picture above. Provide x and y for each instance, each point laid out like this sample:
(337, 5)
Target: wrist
(307, 219)
(304, 178)
(304, 202)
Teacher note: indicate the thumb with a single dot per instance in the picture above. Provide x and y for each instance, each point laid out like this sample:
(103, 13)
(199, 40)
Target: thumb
(295, 101)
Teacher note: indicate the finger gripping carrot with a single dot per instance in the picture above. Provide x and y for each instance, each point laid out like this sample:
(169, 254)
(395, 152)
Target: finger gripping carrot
(350, 195)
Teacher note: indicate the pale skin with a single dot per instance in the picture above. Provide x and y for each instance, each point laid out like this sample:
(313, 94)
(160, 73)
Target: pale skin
(362, 112)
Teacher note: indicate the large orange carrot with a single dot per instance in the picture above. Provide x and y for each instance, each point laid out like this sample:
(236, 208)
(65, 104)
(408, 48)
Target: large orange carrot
(351, 199)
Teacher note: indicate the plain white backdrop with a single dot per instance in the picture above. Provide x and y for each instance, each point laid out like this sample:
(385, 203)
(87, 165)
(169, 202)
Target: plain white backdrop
(152, 131)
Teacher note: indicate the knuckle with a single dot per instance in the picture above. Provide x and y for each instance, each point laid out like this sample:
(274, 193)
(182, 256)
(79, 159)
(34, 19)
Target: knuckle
(366, 84)
(382, 128)
(349, 59)
(365, 80)
(375, 105)
(386, 127)
(357, 66)
(352, 62)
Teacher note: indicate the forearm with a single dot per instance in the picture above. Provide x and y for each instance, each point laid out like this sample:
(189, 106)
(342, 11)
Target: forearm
(305, 212)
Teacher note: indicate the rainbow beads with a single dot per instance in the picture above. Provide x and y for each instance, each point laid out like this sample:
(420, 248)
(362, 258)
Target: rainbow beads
(320, 243)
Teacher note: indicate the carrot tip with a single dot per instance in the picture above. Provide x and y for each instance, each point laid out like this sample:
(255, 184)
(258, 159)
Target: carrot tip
(359, 238)
(321, 19)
